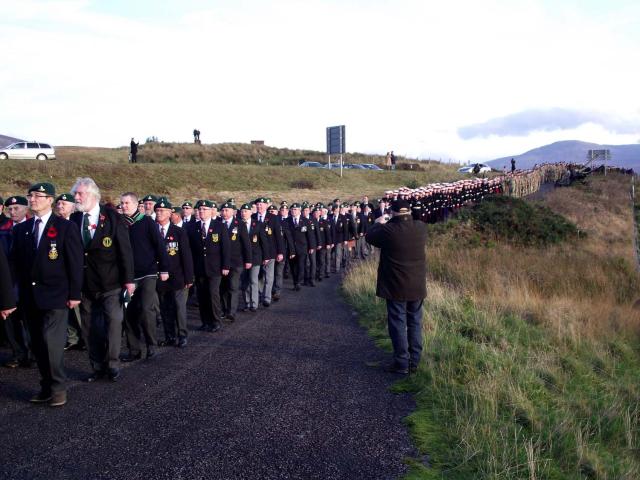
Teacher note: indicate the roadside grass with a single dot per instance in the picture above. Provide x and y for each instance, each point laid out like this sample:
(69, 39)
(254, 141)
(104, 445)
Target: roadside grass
(218, 181)
(531, 358)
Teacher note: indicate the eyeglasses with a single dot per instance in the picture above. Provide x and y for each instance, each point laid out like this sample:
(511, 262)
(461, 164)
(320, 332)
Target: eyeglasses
(35, 195)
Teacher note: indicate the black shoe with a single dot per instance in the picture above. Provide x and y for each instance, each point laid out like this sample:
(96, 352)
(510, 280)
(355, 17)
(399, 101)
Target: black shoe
(296, 288)
(203, 328)
(170, 342)
(75, 346)
(230, 318)
(13, 363)
(326, 276)
(182, 342)
(319, 279)
(214, 328)
(150, 352)
(42, 397)
(312, 284)
(285, 276)
(131, 358)
(114, 374)
(94, 377)
(253, 309)
(266, 304)
(275, 297)
(26, 363)
(413, 368)
(397, 369)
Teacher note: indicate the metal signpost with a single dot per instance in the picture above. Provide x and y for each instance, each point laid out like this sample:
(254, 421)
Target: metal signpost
(336, 143)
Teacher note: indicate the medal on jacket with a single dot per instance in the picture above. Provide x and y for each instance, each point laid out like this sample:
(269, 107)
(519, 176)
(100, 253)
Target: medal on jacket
(268, 230)
(214, 238)
(255, 239)
(53, 251)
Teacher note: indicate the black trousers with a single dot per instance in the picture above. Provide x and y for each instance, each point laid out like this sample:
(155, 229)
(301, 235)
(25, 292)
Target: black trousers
(101, 315)
(208, 289)
(297, 264)
(141, 315)
(173, 306)
(230, 291)
(310, 268)
(17, 335)
(48, 331)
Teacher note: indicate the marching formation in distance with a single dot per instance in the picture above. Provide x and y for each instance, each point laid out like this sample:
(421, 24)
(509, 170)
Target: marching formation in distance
(79, 274)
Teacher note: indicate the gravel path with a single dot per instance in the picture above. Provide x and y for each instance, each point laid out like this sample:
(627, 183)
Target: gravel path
(281, 393)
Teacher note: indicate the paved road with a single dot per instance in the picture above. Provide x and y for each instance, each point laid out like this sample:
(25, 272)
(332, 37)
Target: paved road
(281, 393)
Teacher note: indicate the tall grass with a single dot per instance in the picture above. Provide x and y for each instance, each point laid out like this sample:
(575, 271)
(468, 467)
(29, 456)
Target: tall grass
(531, 359)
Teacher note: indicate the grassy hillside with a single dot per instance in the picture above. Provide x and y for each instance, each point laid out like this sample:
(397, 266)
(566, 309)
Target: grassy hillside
(531, 359)
(218, 176)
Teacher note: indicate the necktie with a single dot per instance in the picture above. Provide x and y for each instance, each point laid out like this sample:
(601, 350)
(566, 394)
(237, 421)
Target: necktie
(260, 218)
(36, 233)
(86, 232)
(295, 221)
(203, 230)
(248, 227)
(163, 232)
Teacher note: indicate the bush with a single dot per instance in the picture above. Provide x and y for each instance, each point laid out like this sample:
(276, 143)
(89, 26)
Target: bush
(302, 184)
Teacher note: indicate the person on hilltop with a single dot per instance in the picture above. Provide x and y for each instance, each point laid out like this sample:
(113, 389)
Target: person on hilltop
(402, 277)
(513, 165)
(134, 151)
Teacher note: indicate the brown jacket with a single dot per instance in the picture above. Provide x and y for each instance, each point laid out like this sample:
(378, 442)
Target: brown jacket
(402, 271)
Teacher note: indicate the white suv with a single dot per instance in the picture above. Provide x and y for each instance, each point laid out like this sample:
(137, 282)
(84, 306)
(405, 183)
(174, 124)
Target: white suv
(28, 150)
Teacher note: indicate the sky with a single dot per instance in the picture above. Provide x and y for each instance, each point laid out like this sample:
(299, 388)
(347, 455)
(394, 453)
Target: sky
(461, 81)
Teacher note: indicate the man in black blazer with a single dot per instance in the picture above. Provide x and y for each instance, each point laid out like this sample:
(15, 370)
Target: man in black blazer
(257, 239)
(211, 254)
(108, 278)
(240, 253)
(303, 243)
(340, 236)
(273, 250)
(47, 256)
(402, 282)
(174, 291)
(7, 297)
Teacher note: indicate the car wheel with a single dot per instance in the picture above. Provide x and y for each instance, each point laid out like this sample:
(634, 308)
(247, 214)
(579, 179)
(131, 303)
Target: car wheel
(41, 156)
(4, 156)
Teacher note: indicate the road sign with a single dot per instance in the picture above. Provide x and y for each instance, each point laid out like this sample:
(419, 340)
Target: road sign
(335, 140)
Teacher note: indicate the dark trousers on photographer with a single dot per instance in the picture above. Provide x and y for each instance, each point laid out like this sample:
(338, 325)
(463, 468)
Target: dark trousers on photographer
(405, 329)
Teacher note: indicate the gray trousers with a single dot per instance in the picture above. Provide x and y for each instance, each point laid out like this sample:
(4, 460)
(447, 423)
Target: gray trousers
(74, 331)
(360, 250)
(208, 290)
(310, 268)
(267, 280)
(101, 315)
(48, 331)
(141, 318)
(173, 306)
(336, 257)
(230, 291)
(278, 277)
(251, 286)
(325, 253)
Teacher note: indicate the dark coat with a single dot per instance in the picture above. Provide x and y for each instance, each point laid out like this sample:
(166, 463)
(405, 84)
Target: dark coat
(149, 253)
(402, 271)
(108, 261)
(211, 254)
(257, 239)
(287, 238)
(304, 238)
(7, 298)
(239, 242)
(180, 260)
(51, 275)
(340, 229)
(275, 243)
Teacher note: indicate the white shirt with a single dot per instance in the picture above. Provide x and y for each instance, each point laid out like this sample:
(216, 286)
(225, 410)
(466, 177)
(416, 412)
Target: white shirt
(205, 225)
(45, 219)
(94, 216)
(187, 219)
(179, 224)
(166, 229)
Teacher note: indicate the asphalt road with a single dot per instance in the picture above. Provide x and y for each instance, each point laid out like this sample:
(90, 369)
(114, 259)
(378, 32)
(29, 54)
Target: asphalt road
(282, 393)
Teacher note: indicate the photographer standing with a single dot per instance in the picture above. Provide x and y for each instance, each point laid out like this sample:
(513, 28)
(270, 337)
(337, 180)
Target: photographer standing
(402, 273)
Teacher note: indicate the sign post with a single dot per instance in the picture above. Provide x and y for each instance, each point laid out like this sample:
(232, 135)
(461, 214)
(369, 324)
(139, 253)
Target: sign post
(336, 143)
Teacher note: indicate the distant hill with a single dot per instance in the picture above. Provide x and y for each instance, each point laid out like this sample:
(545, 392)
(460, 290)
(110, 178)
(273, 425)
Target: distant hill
(627, 156)
(4, 140)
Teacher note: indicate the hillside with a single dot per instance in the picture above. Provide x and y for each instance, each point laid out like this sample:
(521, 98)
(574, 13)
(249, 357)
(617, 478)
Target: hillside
(627, 156)
(531, 357)
(5, 140)
(223, 171)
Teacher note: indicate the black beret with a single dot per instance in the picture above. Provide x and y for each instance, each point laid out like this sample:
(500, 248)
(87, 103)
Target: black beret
(43, 187)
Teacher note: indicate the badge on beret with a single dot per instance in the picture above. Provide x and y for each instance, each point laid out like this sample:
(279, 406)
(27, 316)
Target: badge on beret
(107, 242)
(214, 238)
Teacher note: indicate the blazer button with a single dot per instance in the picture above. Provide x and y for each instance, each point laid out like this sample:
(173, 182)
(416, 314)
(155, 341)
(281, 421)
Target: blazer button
(86, 254)
(33, 283)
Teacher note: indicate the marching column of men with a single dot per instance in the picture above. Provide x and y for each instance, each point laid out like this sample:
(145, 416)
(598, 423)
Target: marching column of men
(126, 267)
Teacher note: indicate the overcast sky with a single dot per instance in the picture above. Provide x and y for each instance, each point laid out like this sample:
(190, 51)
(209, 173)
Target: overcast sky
(460, 80)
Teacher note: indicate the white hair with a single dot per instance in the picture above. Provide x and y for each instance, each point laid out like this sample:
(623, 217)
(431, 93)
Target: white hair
(91, 187)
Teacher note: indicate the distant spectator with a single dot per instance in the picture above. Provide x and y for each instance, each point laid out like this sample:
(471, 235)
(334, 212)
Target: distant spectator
(134, 151)
(513, 165)
(196, 135)
(393, 161)
(388, 161)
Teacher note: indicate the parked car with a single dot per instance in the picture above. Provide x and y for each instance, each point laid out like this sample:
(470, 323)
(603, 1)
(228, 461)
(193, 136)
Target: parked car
(371, 166)
(312, 164)
(29, 151)
(357, 166)
(469, 168)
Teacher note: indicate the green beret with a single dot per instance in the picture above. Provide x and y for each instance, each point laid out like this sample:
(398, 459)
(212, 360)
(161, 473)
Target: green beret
(260, 200)
(284, 203)
(67, 197)
(187, 204)
(177, 210)
(204, 203)
(245, 206)
(140, 202)
(231, 201)
(17, 200)
(150, 198)
(44, 187)
(228, 204)
(272, 208)
(305, 204)
(163, 203)
(295, 205)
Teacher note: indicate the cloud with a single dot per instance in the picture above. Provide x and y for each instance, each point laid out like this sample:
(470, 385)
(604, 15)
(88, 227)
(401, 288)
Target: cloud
(523, 123)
